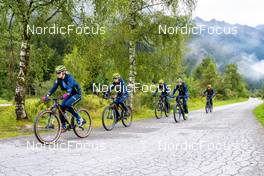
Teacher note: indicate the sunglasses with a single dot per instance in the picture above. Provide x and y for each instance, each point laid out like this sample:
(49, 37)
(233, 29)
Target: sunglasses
(58, 73)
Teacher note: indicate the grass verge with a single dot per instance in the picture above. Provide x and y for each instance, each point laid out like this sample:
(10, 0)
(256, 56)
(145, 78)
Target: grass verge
(259, 113)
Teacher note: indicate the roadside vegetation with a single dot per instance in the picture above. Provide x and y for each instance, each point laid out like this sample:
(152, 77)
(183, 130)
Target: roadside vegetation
(10, 127)
(259, 113)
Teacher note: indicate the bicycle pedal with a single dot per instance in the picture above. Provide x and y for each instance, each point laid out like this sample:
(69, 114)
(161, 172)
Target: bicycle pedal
(50, 127)
(69, 128)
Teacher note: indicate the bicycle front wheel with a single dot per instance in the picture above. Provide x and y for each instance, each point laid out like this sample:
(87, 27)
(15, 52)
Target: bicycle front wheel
(159, 109)
(47, 127)
(167, 110)
(127, 120)
(84, 130)
(177, 113)
(108, 118)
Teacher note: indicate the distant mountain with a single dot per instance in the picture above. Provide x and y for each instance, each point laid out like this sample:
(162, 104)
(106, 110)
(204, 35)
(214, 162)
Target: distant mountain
(244, 45)
(260, 27)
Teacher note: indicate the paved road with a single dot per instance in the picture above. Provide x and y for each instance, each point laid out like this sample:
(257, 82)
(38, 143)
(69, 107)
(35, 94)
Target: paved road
(228, 142)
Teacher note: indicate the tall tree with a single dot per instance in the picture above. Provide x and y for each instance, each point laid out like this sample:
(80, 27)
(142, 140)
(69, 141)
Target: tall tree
(137, 9)
(27, 12)
(233, 84)
(132, 47)
(207, 72)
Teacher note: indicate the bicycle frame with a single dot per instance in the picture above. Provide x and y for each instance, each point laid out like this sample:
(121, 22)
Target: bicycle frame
(56, 106)
(162, 99)
(116, 106)
(208, 101)
(179, 102)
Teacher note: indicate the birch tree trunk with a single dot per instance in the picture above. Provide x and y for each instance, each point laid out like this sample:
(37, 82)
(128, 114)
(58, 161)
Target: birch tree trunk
(132, 50)
(21, 77)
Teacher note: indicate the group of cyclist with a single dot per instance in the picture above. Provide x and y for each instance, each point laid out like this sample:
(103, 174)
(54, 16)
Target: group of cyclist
(182, 89)
(73, 93)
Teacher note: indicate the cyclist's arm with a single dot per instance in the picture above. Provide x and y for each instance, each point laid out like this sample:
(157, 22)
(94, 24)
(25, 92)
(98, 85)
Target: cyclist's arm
(205, 92)
(155, 93)
(174, 91)
(186, 92)
(54, 88)
(214, 94)
(167, 91)
(111, 87)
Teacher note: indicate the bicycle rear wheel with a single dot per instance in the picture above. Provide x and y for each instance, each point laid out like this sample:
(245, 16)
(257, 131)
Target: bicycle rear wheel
(127, 120)
(86, 128)
(47, 127)
(108, 118)
(211, 108)
(159, 109)
(183, 115)
(206, 108)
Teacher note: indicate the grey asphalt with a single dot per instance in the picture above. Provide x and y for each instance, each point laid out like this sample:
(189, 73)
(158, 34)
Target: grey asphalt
(227, 142)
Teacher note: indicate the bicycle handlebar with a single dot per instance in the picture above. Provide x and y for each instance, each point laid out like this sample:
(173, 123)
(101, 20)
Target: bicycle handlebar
(54, 99)
(177, 96)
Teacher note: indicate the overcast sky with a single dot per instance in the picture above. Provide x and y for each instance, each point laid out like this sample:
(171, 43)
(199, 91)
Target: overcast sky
(248, 12)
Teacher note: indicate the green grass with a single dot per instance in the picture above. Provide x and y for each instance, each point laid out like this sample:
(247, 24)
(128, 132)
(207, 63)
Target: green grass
(259, 113)
(199, 103)
(2, 101)
(10, 127)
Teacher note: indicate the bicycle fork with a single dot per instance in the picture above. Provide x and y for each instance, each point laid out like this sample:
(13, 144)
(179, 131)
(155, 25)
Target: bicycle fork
(50, 121)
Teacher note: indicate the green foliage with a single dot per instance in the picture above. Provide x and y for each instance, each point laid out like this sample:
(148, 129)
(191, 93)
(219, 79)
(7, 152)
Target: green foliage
(233, 84)
(259, 113)
(228, 85)
(207, 72)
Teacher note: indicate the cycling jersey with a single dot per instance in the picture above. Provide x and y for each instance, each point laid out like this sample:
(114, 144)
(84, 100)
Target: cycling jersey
(164, 90)
(210, 93)
(68, 84)
(183, 90)
(120, 88)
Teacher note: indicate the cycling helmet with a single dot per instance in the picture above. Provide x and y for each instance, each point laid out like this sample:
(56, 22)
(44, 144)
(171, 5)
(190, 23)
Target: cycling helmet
(60, 68)
(180, 80)
(116, 76)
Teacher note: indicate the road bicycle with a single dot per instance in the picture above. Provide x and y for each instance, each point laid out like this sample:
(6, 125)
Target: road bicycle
(178, 110)
(161, 108)
(114, 113)
(48, 128)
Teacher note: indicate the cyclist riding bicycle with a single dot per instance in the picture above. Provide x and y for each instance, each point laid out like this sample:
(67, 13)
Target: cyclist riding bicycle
(73, 95)
(122, 93)
(210, 93)
(183, 94)
(165, 91)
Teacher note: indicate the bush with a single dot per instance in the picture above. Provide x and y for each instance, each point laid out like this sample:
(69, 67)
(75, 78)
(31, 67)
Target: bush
(7, 117)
